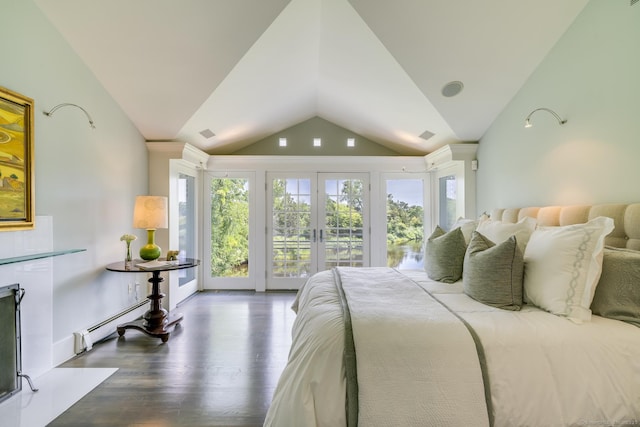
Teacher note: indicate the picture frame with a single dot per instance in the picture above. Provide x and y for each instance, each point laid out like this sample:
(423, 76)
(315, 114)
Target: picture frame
(17, 197)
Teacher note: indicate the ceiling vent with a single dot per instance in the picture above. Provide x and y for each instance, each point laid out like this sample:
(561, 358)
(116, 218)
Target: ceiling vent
(207, 133)
(426, 135)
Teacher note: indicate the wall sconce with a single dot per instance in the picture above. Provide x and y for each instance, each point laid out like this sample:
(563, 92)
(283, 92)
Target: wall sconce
(150, 213)
(50, 112)
(527, 122)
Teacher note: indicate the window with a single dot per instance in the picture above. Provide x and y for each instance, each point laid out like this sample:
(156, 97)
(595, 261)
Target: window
(187, 224)
(229, 227)
(405, 223)
(307, 215)
(448, 193)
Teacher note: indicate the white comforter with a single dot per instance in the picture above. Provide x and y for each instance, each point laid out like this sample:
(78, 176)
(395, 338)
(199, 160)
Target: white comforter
(543, 370)
(417, 363)
(312, 388)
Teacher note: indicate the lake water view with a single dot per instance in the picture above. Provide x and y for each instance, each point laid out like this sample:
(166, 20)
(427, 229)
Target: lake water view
(408, 256)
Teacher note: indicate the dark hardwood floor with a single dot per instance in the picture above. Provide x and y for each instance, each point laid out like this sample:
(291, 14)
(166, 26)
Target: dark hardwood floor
(219, 368)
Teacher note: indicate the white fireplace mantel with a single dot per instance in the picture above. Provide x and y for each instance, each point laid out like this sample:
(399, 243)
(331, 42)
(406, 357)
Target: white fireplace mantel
(26, 259)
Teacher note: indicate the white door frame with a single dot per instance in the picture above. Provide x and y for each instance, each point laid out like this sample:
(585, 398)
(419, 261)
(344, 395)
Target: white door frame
(176, 292)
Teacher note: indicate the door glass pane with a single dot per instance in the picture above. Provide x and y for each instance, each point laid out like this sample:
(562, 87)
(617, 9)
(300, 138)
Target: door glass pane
(405, 229)
(447, 194)
(229, 227)
(343, 228)
(291, 225)
(187, 224)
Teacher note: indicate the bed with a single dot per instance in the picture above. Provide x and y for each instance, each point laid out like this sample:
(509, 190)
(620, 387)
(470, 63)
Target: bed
(530, 317)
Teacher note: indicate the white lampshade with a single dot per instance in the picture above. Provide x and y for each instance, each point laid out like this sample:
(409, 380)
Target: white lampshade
(150, 212)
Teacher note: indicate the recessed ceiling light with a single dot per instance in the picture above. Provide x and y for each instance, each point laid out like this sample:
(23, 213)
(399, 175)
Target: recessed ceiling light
(452, 89)
(207, 133)
(317, 142)
(283, 142)
(351, 142)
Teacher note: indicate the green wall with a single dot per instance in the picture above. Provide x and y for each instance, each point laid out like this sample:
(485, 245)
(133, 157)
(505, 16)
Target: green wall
(300, 142)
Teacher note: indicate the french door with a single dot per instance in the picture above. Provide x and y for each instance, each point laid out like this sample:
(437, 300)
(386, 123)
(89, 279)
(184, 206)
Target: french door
(315, 221)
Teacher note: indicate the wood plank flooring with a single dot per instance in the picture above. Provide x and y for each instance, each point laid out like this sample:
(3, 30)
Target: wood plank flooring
(219, 368)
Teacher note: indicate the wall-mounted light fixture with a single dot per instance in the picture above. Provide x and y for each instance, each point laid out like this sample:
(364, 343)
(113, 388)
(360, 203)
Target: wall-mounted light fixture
(527, 122)
(66, 104)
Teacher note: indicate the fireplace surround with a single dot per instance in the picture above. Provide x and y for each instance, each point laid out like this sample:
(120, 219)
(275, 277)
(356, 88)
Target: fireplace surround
(10, 354)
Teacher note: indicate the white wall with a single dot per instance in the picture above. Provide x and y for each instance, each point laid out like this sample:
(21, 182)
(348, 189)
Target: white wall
(86, 179)
(591, 78)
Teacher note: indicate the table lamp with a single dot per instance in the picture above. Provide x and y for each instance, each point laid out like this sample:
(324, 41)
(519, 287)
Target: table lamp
(150, 213)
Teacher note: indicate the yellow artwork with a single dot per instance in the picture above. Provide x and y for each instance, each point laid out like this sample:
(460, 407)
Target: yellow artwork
(16, 161)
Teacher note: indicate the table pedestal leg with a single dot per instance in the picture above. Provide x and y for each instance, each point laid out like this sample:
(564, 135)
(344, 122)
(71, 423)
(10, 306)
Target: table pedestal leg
(156, 322)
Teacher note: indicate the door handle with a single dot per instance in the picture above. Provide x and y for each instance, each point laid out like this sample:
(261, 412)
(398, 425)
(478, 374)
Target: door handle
(314, 235)
(321, 235)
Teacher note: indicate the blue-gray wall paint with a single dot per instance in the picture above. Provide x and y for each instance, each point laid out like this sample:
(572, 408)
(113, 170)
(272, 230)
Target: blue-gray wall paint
(85, 179)
(591, 78)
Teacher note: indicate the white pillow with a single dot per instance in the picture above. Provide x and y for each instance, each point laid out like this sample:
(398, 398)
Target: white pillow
(562, 266)
(467, 226)
(499, 231)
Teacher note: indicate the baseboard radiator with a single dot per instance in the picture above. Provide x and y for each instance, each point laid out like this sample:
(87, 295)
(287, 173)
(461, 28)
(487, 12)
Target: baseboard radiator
(84, 339)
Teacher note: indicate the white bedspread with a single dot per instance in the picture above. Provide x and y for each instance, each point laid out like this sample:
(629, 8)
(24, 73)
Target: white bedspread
(547, 371)
(417, 363)
(312, 388)
(543, 370)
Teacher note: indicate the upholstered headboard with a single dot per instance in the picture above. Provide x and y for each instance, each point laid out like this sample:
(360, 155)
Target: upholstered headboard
(626, 218)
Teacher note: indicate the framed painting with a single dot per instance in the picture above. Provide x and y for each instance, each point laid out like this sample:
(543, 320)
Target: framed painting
(16, 161)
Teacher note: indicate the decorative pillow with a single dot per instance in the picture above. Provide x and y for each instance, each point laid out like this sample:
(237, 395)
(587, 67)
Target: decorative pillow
(499, 231)
(562, 266)
(618, 292)
(467, 226)
(492, 274)
(444, 255)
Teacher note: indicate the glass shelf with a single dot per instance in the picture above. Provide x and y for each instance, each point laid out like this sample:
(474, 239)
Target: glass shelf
(31, 257)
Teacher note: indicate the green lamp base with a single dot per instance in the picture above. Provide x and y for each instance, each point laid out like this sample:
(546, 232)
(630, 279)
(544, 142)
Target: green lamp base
(150, 251)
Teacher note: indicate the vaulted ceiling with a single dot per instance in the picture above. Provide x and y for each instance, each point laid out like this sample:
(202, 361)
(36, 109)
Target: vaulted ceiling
(246, 69)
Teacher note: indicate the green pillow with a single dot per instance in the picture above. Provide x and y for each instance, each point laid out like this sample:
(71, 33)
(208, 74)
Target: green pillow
(444, 255)
(617, 295)
(493, 274)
